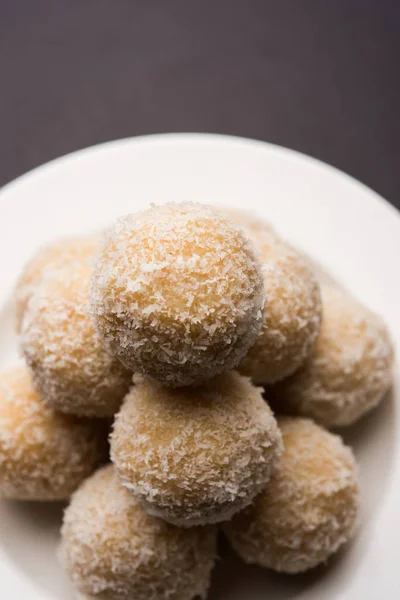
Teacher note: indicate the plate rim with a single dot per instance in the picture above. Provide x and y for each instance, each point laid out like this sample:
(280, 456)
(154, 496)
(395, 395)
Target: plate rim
(193, 137)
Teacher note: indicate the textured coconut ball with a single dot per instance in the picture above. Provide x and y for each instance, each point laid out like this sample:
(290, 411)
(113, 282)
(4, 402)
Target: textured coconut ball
(349, 370)
(178, 293)
(195, 456)
(44, 455)
(308, 509)
(292, 316)
(113, 550)
(72, 369)
(47, 259)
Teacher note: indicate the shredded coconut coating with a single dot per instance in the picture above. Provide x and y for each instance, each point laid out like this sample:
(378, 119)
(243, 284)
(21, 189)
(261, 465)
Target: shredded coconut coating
(349, 370)
(178, 293)
(47, 259)
(195, 455)
(113, 550)
(44, 455)
(291, 319)
(72, 369)
(310, 507)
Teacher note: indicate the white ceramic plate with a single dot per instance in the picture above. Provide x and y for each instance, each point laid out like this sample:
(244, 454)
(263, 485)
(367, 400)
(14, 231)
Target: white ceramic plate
(335, 219)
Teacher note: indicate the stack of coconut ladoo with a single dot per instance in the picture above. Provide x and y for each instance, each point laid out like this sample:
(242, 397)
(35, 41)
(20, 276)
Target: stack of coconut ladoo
(182, 325)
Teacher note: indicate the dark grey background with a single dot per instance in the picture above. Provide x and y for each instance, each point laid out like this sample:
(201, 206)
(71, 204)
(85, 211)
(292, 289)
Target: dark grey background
(320, 76)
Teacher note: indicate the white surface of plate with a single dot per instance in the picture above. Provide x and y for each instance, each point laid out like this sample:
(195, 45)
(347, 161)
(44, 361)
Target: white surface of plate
(336, 220)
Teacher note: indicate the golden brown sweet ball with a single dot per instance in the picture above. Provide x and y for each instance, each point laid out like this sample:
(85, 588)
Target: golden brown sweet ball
(47, 259)
(292, 315)
(349, 370)
(310, 507)
(113, 550)
(72, 369)
(194, 456)
(178, 293)
(44, 455)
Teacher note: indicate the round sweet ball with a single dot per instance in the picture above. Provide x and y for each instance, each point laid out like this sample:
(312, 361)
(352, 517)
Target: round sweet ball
(292, 316)
(71, 367)
(178, 293)
(256, 229)
(310, 507)
(113, 550)
(47, 259)
(44, 455)
(349, 370)
(194, 456)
